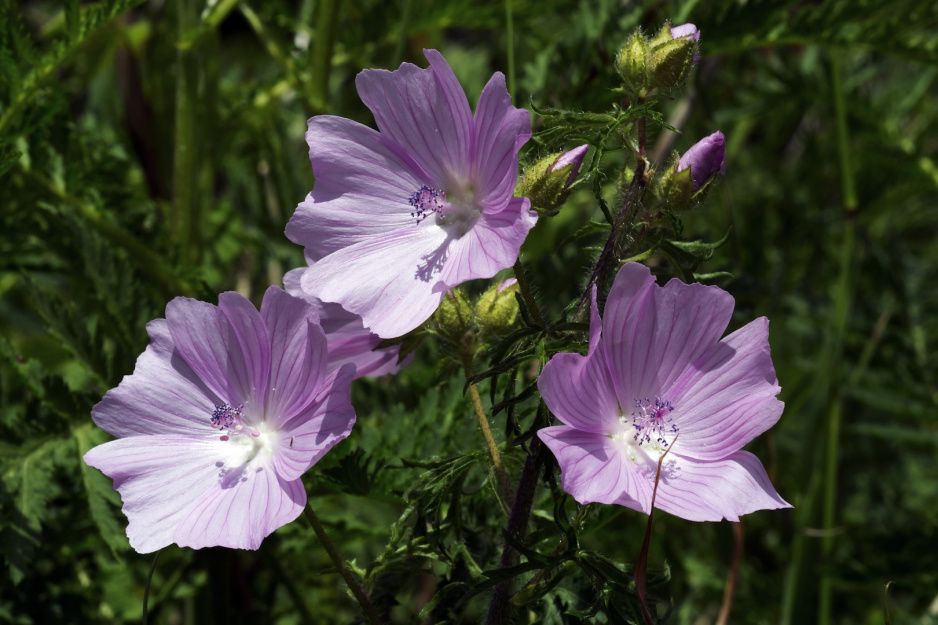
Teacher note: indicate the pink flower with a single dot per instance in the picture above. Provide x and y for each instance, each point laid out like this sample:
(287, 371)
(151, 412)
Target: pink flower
(347, 339)
(398, 217)
(706, 158)
(657, 369)
(572, 157)
(225, 410)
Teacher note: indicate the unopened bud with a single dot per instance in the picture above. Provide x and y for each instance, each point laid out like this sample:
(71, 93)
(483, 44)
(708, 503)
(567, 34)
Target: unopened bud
(632, 63)
(674, 51)
(497, 309)
(547, 182)
(705, 159)
(454, 316)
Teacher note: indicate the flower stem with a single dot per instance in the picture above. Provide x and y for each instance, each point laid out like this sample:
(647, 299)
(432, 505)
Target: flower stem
(730, 590)
(527, 294)
(510, 29)
(350, 581)
(503, 481)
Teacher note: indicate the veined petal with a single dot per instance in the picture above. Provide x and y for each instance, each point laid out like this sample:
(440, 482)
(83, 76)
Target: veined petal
(426, 112)
(491, 244)
(392, 282)
(363, 184)
(727, 397)
(593, 468)
(652, 335)
(249, 346)
(327, 420)
(299, 348)
(699, 490)
(200, 333)
(500, 130)
(163, 394)
(162, 479)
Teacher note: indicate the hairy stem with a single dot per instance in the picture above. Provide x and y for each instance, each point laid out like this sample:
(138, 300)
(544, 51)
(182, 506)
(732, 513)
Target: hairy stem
(350, 581)
(527, 294)
(496, 455)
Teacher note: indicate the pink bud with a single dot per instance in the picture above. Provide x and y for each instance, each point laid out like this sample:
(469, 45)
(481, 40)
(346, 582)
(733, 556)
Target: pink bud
(705, 158)
(574, 156)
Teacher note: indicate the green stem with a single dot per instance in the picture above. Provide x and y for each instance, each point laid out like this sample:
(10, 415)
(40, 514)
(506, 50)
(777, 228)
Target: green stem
(327, 14)
(339, 563)
(186, 222)
(527, 294)
(841, 314)
(510, 30)
(503, 481)
(401, 42)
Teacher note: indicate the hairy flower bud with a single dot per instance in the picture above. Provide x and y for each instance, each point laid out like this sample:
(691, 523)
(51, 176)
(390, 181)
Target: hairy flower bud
(705, 159)
(673, 52)
(547, 182)
(454, 317)
(497, 309)
(632, 63)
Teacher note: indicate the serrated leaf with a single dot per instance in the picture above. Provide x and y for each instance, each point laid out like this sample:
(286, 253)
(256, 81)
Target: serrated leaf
(102, 498)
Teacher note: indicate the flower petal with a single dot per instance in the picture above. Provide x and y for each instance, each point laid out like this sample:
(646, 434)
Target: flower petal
(299, 348)
(489, 245)
(163, 394)
(578, 389)
(500, 130)
(327, 420)
(363, 184)
(426, 112)
(593, 469)
(249, 366)
(652, 335)
(392, 282)
(712, 491)
(163, 479)
(727, 397)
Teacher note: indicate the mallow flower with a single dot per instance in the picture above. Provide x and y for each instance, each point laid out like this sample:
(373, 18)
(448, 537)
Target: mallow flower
(225, 410)
(399, 216)
(705, 159)
(658, 377)
(348, 341)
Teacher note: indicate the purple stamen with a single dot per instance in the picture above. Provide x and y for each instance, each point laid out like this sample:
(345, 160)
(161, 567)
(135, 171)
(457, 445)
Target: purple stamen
(427, 201)
(652, 419)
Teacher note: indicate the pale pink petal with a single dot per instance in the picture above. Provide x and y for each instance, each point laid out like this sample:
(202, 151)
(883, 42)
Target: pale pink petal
(652, 335)
(163, 394)
(200, 333)
(392, 282)
(489, 245)
(328, 419)
(727, 397)
(594, 469)
(426, 112)
(712, 491)
(161, 479)
(363, 184)
(249, 350)
(578, 389)
(500, 130)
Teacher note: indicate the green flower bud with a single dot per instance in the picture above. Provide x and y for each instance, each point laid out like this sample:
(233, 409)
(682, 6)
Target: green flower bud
(547, 182)
(675, 189)
(454, 317)
(632, 64)
(497, 309)
(673, 52)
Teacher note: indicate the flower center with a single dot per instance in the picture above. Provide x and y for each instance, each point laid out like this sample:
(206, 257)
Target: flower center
(229, 419)
(652, 420)
(456, 214)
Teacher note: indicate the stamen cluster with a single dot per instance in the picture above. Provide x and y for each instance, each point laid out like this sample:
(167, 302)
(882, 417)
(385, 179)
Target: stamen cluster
(652, 419)
(427, 201)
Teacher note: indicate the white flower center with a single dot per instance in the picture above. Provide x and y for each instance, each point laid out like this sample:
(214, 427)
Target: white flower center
(456, 212)
(643, 434)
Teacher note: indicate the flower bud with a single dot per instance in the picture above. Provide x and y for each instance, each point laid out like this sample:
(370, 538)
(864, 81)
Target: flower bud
(705, 159)
(674, 51)
(547, 182)
(454, 317)
(632, 63)
(497, 309)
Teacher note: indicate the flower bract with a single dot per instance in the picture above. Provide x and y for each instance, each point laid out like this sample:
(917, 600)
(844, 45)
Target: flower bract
(399, 216)
(225, 410)
(658, 378)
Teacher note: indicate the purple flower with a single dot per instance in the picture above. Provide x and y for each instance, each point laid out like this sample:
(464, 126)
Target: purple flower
(657, 369)
(398, 217)
(347, 339)
(705, 158)
(225, 410)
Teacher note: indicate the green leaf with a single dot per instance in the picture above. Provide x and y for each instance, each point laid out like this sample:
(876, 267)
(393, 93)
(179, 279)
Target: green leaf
(103, 500)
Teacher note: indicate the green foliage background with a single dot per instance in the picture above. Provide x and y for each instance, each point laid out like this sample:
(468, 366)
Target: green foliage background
(155, 149)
